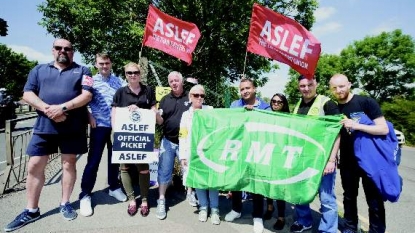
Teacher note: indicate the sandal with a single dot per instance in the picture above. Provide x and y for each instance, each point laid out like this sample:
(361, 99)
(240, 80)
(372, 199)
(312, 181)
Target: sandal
(132, 210)
(144, 210)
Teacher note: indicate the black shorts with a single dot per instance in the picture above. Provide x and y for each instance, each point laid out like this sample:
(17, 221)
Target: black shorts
(46, 144)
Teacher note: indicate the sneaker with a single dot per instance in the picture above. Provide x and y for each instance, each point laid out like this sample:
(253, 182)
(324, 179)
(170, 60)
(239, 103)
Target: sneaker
(85, 206)
(67, 211)
(258, 225)
(297, 227)
(118, 194)
(22, 219)
(231, 216)
(203, 215)
(161, 209)
(191, 198)
(214, 216)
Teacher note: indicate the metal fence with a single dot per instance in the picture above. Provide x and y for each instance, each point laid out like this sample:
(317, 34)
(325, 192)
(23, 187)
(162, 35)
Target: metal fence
(16, 143)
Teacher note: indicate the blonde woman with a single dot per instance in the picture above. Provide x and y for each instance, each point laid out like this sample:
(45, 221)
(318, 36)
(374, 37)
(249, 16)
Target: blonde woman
(207, 198)
(135, 95)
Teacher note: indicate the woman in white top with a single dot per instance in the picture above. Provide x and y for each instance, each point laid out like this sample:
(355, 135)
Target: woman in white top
(207, 198)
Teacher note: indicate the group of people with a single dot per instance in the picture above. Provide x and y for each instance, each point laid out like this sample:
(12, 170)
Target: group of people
(61, 91)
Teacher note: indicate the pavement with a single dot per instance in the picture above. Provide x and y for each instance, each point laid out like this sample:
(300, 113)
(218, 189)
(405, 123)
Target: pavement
(111, 215)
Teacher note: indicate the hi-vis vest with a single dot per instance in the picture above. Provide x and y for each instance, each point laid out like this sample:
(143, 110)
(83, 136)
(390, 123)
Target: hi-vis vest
(317, 108)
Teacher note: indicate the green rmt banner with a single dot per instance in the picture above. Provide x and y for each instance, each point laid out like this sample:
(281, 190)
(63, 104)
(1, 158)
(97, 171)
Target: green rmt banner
(278, 155)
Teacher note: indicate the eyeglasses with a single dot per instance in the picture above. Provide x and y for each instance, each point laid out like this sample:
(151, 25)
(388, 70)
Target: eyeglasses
(132, 72)
(198, 95)
(276, 101)
(66, 49)
(104, 63)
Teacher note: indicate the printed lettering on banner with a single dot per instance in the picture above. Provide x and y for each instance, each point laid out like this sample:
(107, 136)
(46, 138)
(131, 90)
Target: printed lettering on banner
(170, 35)
(134, 136)
(283, 39)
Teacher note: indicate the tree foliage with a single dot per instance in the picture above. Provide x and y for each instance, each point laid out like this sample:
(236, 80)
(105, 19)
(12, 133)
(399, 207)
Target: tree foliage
(3, 27)
(401, 112)
(382, 65)
(14, 68)
(118, 26)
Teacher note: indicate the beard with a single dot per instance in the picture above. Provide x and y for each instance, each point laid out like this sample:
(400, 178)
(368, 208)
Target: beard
(63, 59)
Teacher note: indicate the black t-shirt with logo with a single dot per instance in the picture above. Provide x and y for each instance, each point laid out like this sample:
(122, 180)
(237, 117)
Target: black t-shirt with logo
(357, 104)
(124, 97)
(173, 108)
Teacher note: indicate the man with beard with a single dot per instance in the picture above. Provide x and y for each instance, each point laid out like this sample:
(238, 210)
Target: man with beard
(249, 101)
(171, 109)
(350, 172)
(59, 91)
(313, 104)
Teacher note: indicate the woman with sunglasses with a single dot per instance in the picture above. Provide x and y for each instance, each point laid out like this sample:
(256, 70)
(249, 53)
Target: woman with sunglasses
(135, 95)
(278, 103)
(207, 198)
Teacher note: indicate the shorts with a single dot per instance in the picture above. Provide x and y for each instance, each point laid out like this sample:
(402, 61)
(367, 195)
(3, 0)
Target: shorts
(46, 144)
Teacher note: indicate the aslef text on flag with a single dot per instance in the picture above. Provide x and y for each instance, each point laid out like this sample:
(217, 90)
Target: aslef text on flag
(170, 35)
(278, 37)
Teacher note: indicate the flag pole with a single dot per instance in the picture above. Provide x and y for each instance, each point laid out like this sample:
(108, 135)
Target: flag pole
(243, 73)
(139, 54)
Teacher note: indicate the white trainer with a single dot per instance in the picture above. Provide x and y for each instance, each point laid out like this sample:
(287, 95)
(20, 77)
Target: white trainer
(203, 215)
(232, 216)
(118, 194)
(258, 225)
(86, 206)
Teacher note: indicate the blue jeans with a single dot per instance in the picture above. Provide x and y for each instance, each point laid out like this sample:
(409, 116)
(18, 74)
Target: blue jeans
(100, 136)
(208, 198)
(168, 152)
(328, 209)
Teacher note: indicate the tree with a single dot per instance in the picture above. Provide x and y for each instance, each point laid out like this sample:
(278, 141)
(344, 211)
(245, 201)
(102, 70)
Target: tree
(382, 66)
(14, 68)
(401, 113)
(3, 27)
(117, 27)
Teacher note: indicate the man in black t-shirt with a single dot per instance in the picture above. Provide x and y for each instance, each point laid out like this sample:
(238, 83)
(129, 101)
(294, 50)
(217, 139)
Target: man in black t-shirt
(171, 109)
(350, 172)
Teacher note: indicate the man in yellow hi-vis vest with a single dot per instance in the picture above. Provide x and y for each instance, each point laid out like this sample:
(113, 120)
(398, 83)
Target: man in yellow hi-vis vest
(318, 105)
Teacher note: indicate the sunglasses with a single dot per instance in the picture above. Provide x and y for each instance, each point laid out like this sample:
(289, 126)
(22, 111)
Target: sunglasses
(132, 72)
(198, 95)
(276, 101)
(66, 49)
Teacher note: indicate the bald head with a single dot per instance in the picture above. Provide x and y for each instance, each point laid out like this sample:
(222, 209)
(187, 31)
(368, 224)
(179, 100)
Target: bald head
(340, 88)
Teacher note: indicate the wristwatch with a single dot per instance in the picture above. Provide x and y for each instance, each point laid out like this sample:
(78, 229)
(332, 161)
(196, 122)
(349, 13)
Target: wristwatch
(64, 108)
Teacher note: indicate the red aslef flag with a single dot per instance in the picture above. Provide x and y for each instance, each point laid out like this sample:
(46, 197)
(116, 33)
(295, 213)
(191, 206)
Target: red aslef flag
(283, 39)
(170, 35)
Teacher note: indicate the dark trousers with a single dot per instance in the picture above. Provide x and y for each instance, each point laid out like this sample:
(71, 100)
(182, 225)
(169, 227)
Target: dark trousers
(99, 137)
(280, 206)
(350, 176)
(257, 203)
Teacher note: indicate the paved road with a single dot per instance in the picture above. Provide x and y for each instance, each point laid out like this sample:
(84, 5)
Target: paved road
(111, 216)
